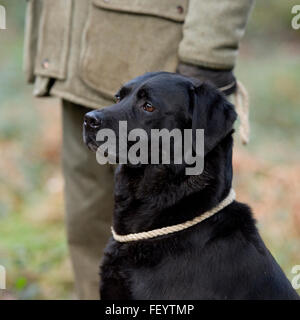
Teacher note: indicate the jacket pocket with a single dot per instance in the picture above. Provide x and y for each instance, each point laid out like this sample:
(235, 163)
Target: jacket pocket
(54, 39)
(126, 38)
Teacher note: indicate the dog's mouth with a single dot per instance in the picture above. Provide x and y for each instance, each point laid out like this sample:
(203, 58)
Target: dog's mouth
(89, 138)
(90, 141)
(92, 146)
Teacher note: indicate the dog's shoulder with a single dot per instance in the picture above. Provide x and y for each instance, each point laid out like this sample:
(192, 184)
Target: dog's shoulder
(235, 218)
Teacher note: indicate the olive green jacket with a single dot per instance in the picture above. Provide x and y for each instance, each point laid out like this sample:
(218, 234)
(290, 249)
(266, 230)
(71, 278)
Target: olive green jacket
(84, 50)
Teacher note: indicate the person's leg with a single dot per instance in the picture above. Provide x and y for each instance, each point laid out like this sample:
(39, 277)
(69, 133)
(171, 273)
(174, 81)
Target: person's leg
(88, 202)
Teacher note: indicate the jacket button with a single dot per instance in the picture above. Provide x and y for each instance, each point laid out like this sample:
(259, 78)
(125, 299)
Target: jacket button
(45, 64)
(180, 9)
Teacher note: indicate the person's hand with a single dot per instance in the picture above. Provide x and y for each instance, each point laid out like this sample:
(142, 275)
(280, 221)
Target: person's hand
(223, 79)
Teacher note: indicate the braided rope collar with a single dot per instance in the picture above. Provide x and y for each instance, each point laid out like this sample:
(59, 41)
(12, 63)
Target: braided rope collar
(175, 228)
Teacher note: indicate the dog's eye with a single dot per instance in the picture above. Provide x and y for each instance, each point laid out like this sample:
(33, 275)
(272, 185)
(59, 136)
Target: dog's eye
(117, 98)
(148, 107)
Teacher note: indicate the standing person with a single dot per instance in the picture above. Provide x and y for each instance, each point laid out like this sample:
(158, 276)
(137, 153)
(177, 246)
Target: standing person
(83, 51)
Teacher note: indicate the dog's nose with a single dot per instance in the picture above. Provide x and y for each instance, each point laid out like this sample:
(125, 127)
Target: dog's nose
(92, 120)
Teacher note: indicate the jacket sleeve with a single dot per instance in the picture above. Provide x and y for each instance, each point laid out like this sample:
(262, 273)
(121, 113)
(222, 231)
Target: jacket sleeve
(212, 31)
(33, 13)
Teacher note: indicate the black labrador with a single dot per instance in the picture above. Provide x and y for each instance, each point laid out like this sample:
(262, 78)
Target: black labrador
(222, 257)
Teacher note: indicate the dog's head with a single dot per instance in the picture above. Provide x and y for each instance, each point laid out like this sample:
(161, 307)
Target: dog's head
(162, 100)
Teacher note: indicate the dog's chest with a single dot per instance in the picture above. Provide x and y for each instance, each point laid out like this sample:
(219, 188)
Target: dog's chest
(149, 272)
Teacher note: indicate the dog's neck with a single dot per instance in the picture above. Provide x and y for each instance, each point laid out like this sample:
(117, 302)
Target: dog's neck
(155, 196)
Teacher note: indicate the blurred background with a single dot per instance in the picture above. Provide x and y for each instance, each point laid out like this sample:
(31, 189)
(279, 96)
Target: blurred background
(267, 171)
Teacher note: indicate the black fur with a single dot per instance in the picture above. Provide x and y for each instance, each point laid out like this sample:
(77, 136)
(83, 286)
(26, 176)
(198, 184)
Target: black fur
(221, 258)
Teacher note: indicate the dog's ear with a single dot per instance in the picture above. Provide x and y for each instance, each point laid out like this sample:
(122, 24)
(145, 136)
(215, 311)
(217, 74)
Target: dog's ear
(212, 112)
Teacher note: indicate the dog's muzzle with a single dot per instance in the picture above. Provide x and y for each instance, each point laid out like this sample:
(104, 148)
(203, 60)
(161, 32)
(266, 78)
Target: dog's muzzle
(91, 125)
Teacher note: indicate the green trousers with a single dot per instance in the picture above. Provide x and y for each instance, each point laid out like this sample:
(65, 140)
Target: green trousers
(88, 203)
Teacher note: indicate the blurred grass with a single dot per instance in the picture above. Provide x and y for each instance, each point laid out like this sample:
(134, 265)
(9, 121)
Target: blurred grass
(267, 172)
(273, 81)
(32, 235)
